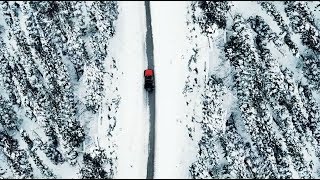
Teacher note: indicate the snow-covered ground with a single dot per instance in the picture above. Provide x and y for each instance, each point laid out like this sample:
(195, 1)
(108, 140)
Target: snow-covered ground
(214, 117)
(128, 47)
(174, 151)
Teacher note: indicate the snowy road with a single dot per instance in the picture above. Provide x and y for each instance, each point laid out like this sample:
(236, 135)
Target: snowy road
(151, 95)
(128, 46)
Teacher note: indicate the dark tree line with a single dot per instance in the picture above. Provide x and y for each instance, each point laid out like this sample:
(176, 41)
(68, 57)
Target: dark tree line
(277, 111)
(213, 12)
(16, 157)
(46, 50)
(302, 21)
(275, 14)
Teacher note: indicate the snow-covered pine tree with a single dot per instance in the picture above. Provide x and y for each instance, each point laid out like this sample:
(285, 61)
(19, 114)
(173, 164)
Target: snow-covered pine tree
(241, 53)
(213, 126)
(276, 91)
(75, 44)
(311, 70)
(96, 165)
(302, 21)
(238, 162)
(213, 12)
(32, 150)
(17, 158)
(271, 10)
(101, 28)
(8, 117)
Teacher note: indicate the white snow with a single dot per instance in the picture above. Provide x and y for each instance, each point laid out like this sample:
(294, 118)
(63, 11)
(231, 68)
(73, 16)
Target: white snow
(315, 9)
(252, 8)
(132, 129)
(174, 151)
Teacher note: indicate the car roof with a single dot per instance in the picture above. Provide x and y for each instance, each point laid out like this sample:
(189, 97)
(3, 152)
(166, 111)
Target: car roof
(148, 72)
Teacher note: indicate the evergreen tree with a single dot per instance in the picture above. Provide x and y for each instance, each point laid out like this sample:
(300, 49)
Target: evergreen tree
(17, 158)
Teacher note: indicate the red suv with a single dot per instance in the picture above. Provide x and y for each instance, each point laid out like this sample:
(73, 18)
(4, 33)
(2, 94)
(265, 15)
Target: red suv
(149, 79)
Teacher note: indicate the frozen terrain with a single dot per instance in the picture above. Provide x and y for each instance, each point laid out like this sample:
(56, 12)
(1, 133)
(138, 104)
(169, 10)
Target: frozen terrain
(237, 89)
(128, 46)
(173, 146)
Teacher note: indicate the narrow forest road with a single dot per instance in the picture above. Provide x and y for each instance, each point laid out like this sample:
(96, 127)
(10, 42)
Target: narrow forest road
(151, 95)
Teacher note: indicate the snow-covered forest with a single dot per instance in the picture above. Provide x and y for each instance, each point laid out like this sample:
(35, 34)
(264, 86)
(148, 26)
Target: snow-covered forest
(237, 89)
(265, 63)
(53, 82)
